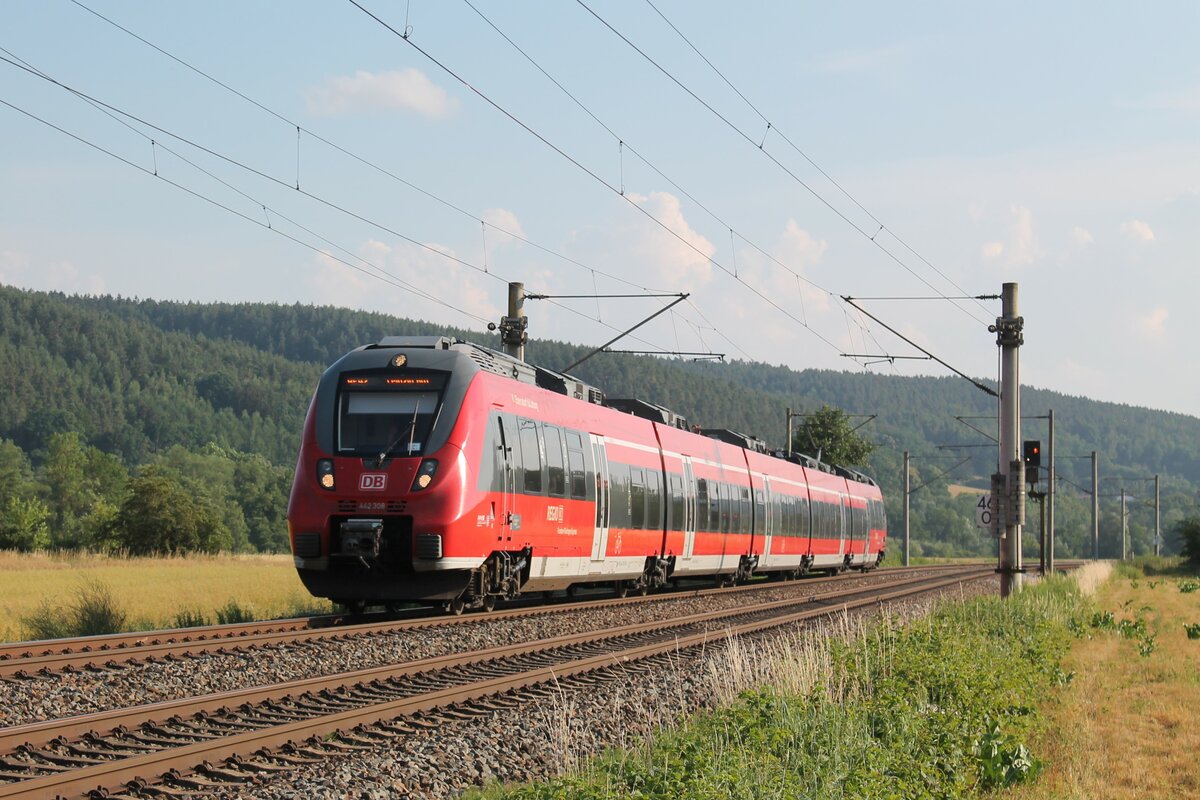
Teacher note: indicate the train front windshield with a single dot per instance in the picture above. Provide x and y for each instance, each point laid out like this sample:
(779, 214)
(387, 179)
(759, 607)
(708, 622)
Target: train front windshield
(382, 418)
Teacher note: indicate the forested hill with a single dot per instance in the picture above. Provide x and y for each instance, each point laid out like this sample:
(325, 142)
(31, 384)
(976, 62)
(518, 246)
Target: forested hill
(271, 355)
(135, 377)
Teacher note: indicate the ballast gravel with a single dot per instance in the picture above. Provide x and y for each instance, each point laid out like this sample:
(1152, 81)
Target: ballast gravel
(69, 694)
(550, 737)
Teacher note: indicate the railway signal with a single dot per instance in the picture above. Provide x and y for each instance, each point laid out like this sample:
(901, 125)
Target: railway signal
(1033, 459)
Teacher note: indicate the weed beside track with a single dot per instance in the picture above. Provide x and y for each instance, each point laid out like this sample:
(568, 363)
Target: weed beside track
(942, 706)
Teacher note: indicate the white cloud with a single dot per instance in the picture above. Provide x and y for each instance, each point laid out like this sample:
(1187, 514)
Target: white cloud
(407, 89)
(22, 269)
(1082, 237)
(1024, 242)
(679, 259)
(1154, 324)
(1173, 100)
(1020, 247)
(422, 269)
(878, 59)
(1138, 231)
(504, 220)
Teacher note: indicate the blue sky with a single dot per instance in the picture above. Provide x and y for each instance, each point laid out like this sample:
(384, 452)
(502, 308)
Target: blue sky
(1056, 145)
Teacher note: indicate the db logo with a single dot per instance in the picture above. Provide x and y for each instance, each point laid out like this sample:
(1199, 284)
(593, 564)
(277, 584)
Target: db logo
(372, 481)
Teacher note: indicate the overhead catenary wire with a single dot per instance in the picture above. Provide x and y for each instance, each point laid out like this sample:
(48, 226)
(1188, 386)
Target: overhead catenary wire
(772, 127)
(586, 170)
(380, 169)
(955, 370)
(393, 280)
(116, 114)
(791, 173)
(623, 145)
(351, 154)
(379, 273)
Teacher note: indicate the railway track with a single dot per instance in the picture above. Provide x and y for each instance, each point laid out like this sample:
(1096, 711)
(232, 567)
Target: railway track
(171, 747)
(97, 653)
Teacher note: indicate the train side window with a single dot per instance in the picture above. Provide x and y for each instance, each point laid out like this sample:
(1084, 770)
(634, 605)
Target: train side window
(804, 523)
(746, 516)
(760, 511)
(531, 456)
(726, 496)
(578, 481)
(513, 442)
(702, 504)
(654, 521)
(637, 498)
(618, 478)
(735, 509)
(675, 523)
(556, 483)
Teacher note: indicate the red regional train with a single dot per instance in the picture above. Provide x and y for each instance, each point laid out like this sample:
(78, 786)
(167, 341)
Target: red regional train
(439, 470)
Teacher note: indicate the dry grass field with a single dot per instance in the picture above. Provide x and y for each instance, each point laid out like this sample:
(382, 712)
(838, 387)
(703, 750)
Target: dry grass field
(1126, 727)
(152, 591)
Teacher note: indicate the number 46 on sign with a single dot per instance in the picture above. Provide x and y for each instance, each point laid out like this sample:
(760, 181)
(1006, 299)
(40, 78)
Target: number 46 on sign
(986, 514)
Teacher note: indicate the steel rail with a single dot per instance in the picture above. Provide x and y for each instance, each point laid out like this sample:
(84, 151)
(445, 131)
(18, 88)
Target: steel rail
(50, 656)
(39, 733)
(111, 775)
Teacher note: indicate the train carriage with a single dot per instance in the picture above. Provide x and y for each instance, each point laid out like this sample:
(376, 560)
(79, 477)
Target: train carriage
(432, 469)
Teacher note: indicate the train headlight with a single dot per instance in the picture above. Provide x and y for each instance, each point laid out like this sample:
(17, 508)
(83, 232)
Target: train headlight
(325, 473)
(425, 474)
(400, 360)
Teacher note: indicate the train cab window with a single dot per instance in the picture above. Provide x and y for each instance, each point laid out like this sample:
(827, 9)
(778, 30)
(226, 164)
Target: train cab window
(556, 477)
(637, 498)
(531, 456)
(384, 423)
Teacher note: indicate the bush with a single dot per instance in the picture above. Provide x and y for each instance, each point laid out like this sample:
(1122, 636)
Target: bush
(94, 612)
(1187, 531)
(191, 618)
(233, 613)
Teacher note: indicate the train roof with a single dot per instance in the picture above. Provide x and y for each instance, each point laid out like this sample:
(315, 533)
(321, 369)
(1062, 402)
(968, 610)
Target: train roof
(500, 363)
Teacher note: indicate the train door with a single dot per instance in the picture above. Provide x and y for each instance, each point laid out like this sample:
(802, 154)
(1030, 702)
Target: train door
(600, 458)
(689, 510)
(843, 523)
(506, 438)
(764, 526)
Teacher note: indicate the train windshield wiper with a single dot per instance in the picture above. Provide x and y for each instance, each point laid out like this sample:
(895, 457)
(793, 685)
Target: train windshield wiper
(408, 431)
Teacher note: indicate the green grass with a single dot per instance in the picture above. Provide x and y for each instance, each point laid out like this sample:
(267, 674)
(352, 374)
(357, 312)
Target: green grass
(940, 708)
(54, 595)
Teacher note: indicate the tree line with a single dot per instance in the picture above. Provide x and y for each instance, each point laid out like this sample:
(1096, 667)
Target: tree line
(165, 391)
(73, 496)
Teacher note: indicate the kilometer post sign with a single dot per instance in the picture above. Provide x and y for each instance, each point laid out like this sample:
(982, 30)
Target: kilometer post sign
(987, 514)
